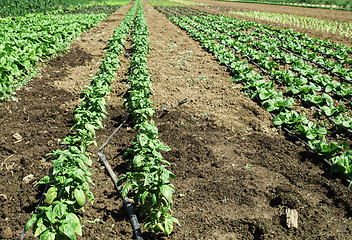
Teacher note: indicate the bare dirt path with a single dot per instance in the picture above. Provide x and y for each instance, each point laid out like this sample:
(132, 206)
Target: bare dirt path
(41, 116)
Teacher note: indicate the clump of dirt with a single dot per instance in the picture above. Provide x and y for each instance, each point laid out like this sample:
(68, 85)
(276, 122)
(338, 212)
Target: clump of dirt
(73, 58)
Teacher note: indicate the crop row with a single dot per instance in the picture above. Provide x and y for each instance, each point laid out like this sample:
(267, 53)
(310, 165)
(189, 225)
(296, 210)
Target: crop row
(267, 52)
(309, 47)
(303, 80)
(304, 86)
(26, 40)
(320, 52)
(265, 92)
(92, 9)
(69, 178)
(148, 178)
(329, 4)
(21, 8)
(335, 27)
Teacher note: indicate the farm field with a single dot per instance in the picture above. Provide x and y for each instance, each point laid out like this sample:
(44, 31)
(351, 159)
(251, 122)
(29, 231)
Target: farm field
(236, 172)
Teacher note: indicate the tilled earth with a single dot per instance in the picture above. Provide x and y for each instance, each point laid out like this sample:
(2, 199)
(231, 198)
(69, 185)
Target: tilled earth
(236, 174)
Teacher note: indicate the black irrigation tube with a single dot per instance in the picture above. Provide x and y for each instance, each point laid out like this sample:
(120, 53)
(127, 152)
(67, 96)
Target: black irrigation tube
(130, 211)
(36, 211)
(348, 181)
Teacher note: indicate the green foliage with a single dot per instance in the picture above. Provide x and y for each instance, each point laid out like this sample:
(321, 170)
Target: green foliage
(21, 8)
(70, 178)
(335, 27)
(333, 4)
(344, 163)
(148, 179)
(26, 40)
(94, 9)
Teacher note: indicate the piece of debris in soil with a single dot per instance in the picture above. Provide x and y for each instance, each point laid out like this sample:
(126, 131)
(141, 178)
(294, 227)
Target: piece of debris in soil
(28, 179)
(291, 218)
(18, 137)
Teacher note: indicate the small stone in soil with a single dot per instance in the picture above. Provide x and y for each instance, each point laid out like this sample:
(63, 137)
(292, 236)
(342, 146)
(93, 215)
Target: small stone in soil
(17, 136)
(291, 218)
(28, 179)
(3, 197)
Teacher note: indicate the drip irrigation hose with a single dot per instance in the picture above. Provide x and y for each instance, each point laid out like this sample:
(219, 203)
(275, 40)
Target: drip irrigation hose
(166, 109)
(130, 211)
(36, 211)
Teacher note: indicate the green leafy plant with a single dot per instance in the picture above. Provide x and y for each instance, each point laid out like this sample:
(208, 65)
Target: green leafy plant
(26, 40)
(149, 178)
(69, 178)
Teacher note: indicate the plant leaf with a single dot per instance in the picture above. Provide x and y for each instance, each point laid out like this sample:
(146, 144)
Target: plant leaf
(60, 210)
(68, 230)
(51, 195)
(44, 180)
(71, 217)
(168, 226)
(167, 191)
(40, 227)
(47, 235)
(80, 196)
(126, 189)
(30, 222)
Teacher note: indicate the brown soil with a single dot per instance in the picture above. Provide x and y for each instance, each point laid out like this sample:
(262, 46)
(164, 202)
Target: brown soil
(236, 173)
